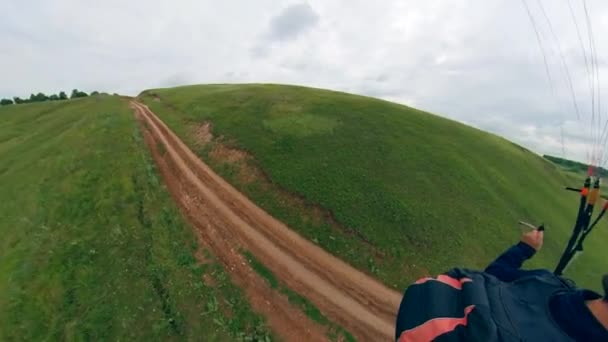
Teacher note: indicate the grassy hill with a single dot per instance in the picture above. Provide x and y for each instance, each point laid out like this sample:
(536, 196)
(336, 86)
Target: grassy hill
(395, 191)
(92, 246)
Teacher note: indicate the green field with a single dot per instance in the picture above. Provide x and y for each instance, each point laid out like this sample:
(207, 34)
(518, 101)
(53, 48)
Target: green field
(393, 190)
(93, 247)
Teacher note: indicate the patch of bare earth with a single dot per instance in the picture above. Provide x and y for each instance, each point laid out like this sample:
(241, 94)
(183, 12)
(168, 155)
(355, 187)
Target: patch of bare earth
(202, 134)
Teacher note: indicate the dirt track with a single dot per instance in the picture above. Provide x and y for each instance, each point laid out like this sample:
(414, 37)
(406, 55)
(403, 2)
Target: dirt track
(226, 220)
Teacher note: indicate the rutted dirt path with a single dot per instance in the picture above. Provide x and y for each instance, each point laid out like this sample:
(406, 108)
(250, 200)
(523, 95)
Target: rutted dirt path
(226, 220)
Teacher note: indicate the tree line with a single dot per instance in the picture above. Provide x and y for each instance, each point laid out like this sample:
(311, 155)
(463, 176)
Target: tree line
(574, 166)
(41, 97)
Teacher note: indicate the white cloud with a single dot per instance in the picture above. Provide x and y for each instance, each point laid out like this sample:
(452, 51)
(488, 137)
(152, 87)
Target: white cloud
(475, 61)
(292, 21)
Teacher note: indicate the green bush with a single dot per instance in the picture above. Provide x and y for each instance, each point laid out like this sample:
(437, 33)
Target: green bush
(77, 93)
(40, 97)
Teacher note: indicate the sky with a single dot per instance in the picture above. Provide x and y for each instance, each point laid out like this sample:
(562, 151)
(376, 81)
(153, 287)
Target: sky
(480, 62)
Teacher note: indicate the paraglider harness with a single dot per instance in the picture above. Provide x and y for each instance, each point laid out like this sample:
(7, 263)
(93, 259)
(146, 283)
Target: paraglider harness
(496, 304)
(583, 226)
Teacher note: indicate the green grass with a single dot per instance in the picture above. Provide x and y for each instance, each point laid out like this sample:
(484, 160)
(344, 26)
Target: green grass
(93, 247)
(413, 193)
(261, 270)
(335, 332)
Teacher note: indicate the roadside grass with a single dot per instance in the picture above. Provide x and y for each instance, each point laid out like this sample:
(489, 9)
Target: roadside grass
(408, 194)
(335, 332)
(93, 247)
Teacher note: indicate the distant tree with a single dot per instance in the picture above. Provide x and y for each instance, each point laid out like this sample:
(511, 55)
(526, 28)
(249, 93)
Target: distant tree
(40, 97)
(54, 97)
(6, 102)
(18, 100)
(94, 93)
(76, 94)
(63, 95)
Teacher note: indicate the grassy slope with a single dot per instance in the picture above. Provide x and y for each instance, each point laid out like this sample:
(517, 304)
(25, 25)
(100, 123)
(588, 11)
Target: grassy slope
(92, 245)
(426, 192)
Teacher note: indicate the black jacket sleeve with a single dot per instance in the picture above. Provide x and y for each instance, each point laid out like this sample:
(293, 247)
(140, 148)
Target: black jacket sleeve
(507, 266)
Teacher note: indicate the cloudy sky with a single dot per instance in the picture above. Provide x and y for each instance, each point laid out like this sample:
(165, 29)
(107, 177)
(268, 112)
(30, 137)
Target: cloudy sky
(475, 61)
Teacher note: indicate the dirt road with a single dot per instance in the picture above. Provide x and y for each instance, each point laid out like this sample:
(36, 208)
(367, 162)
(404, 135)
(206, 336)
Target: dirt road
(227, 220)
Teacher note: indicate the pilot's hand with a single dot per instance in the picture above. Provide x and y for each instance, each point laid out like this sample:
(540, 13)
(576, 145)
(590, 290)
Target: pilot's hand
(533, 238)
